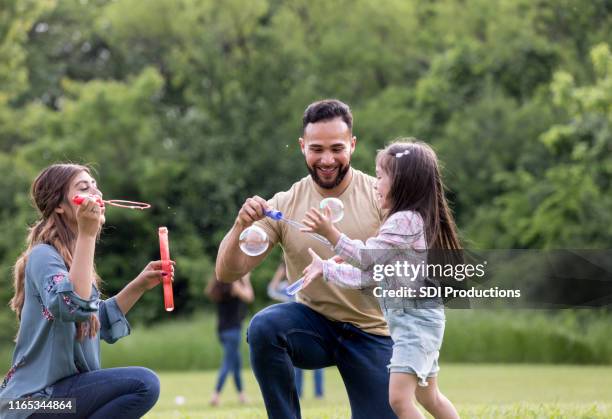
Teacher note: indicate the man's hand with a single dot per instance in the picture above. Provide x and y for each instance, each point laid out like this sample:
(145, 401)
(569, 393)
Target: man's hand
(252, 210)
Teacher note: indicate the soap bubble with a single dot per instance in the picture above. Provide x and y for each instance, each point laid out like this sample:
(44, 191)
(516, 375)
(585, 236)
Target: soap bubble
(253, 241)
(336, 206)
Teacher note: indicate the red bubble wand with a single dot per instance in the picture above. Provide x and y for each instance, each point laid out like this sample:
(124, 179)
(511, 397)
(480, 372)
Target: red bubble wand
(120, 203)
(164, 250)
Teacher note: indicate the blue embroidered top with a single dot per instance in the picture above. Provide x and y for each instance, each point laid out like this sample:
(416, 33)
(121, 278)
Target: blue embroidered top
(47, 349)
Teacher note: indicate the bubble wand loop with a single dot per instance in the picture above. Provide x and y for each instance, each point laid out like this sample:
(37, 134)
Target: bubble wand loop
(164, 251)
(120, 203)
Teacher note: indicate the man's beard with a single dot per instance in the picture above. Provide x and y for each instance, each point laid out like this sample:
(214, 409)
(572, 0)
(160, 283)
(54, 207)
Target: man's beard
(342, 171)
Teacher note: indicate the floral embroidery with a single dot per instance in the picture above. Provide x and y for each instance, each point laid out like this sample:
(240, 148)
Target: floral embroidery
(11, 372)
(47, 314)
(71, 305)
(53, 281)
(45, 311)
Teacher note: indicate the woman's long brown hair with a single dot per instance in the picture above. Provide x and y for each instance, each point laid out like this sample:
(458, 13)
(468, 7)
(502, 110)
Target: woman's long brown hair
(416, 185)
(48, 191)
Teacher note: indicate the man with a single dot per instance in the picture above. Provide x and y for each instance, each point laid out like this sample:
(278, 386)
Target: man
(327, 325)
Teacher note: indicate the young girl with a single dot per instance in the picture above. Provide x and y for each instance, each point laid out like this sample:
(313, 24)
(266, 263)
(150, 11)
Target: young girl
(410, 188)
(61, 315)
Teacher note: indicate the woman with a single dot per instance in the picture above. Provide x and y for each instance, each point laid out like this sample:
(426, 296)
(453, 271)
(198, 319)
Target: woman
(231, 300)
(61, 315)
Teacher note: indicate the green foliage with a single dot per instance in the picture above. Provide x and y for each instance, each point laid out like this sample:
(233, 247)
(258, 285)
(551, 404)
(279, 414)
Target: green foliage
(194, 105)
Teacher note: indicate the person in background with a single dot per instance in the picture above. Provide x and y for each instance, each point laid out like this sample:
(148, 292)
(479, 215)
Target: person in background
(231, 301)
(277, 290)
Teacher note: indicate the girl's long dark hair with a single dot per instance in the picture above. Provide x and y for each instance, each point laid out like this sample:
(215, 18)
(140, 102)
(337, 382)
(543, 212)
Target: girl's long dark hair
(416, 185)
(48, 191)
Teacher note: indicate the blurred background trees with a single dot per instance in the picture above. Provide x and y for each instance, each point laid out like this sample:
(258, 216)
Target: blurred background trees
(194, 105)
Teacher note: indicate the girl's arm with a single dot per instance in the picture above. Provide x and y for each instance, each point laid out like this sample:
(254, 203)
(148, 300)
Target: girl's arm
(401, 231)
(341, 274)
(346, 276)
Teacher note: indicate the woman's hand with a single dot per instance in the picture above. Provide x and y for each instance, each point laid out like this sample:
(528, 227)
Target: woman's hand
(90, 217)
(152, 275)
(314, 270)
(89, 328)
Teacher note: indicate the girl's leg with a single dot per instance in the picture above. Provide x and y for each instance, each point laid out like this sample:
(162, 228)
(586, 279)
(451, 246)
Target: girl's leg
(435, 402)
(402, 388)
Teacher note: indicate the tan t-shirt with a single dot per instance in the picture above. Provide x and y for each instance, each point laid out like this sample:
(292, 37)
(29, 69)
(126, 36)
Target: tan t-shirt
(362, 218)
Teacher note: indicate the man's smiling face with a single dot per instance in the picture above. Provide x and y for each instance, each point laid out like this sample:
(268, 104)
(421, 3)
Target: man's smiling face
(327, 147)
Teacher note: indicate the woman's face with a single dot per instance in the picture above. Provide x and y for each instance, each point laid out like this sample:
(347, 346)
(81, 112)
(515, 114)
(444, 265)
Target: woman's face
(383, 186)
(81, 184)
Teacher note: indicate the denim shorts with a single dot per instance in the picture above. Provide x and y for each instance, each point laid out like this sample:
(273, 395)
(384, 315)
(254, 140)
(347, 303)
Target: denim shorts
(417, 338)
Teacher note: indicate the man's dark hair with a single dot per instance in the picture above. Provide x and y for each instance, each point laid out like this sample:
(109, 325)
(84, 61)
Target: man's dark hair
(325, 110)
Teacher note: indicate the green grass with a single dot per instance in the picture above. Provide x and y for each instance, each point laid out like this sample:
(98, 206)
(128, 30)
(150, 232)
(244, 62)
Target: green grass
(564, 337)
(500, 382)
(487, 391)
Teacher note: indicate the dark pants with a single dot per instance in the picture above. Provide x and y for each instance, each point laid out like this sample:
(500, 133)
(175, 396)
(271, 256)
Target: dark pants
(284, 335)
(230, 339)
(116, 393)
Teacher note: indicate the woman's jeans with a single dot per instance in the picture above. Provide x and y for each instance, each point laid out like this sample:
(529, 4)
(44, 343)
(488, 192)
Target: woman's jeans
(230, 339)
(116, 393)
(318, 381)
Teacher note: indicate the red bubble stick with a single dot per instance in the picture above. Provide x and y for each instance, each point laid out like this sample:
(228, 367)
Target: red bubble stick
(166, 267)
(78, 200)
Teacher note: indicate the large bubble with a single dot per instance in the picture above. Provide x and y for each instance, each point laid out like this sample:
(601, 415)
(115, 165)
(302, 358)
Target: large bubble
(336, 206)
(253, 241)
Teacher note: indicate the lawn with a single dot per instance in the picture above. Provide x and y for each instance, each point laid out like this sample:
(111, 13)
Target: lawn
(506, 391)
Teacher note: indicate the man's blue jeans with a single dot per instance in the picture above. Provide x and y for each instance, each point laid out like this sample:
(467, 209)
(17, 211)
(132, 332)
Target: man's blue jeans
(118, 393)
(230, 339)
(288, 334)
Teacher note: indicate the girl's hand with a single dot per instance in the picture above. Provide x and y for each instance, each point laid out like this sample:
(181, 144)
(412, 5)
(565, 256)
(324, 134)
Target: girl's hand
(152, 275)
(318, 222)
(337, 259)
(314, 270)
(90, 217)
